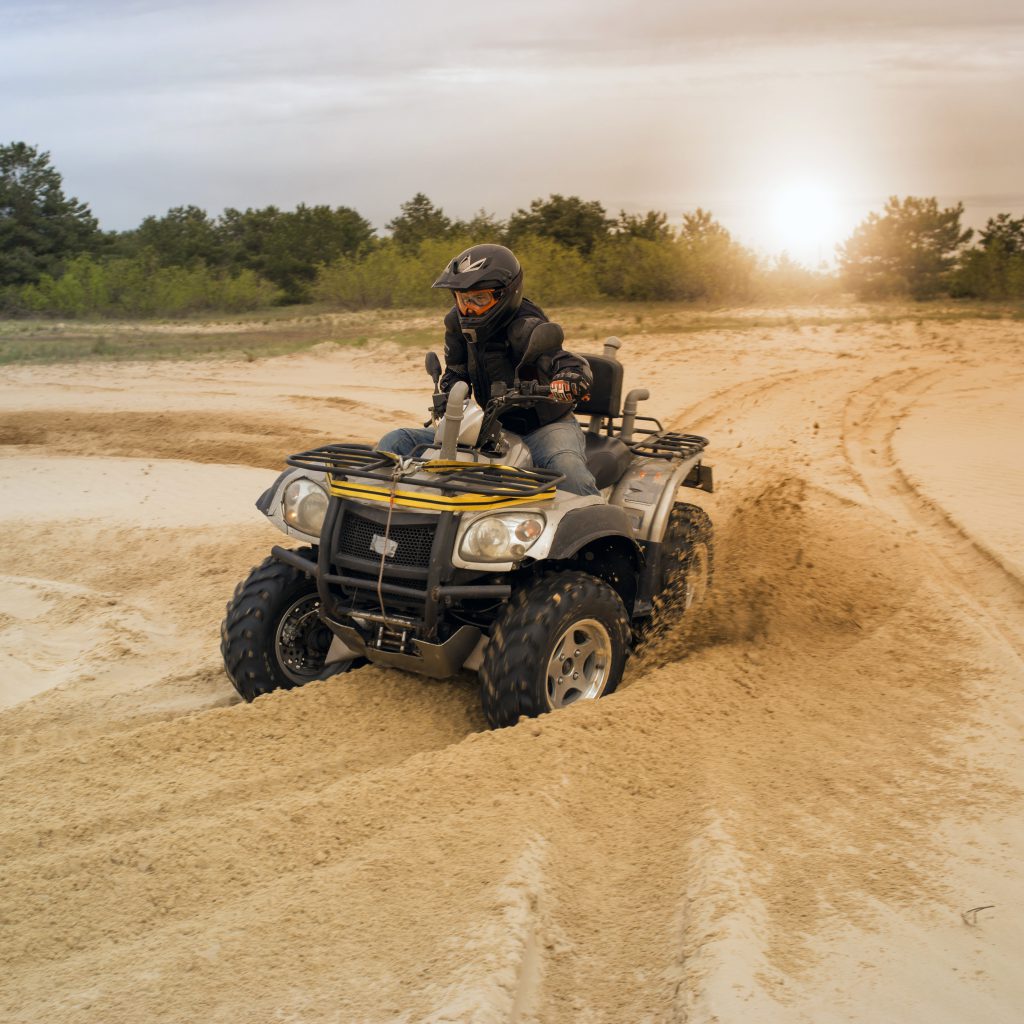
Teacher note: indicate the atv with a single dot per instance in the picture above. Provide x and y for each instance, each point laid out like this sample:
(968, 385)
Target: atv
(466, 557)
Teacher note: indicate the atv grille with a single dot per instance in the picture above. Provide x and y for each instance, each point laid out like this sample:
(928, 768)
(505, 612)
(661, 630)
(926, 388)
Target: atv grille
(414, 542)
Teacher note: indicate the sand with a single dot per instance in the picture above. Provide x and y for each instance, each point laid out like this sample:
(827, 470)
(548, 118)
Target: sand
(786, 813)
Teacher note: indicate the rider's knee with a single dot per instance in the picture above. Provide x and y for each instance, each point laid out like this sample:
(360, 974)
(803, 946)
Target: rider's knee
(399, 441)
(578, 478)
(565, 461)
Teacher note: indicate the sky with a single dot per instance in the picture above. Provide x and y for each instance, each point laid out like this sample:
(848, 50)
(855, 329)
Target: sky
(788, 119)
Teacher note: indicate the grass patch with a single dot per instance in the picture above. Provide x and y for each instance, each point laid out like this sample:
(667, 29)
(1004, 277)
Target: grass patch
(275, 332)
(32, 343)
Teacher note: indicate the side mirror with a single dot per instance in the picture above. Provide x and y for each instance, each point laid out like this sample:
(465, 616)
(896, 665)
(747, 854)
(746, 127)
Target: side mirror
(433, 367)
(545, 338)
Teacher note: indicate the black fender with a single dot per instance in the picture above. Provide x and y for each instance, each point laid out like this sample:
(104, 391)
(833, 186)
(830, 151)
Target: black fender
(582, 526)
(599, 540)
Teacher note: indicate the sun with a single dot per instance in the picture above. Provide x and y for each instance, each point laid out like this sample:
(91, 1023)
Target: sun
(805, 221)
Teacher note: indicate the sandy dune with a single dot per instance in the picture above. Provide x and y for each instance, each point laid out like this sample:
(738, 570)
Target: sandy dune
(783, 814)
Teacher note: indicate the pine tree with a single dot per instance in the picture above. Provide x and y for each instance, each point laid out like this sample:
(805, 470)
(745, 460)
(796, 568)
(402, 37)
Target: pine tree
(40, 227)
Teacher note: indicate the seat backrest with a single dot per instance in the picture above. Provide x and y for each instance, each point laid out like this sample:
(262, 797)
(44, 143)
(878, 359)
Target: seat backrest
(605, 397)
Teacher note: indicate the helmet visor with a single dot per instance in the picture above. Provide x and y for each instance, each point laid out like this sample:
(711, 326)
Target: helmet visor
(478, 301)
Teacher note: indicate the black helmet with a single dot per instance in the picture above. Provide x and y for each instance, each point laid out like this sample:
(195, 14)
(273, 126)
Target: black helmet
(484, 268)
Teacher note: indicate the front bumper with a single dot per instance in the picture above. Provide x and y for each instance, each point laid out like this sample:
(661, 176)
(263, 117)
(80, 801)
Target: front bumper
(399, 616)
(441, 592)
(439, 661)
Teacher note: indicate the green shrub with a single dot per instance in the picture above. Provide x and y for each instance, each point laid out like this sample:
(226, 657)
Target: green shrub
(995, 268)
(385, 278)
(785, 280)
(714, 266)
(911, 248)
(389, 277)
(140, 288)
(990, 274)
(554, 275)
(638, 269)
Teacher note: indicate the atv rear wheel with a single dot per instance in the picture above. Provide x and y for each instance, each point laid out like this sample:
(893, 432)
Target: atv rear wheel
(272, 637)
(562, 640)
(687, 558)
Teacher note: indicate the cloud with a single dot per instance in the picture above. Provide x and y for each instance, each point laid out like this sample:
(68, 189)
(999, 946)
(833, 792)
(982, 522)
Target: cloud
(147, 104)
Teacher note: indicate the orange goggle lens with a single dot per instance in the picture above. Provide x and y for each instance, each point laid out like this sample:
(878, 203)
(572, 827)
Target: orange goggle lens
(476, 303)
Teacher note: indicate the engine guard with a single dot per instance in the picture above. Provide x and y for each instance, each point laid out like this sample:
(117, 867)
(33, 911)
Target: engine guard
(439, 661)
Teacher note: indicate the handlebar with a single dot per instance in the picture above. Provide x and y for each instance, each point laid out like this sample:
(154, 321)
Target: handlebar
(526, 389)
(531, 389)
(503, 397)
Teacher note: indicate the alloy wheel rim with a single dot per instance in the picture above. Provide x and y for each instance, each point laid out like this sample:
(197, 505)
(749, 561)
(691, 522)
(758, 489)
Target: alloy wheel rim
(580, 664)
(300, 656)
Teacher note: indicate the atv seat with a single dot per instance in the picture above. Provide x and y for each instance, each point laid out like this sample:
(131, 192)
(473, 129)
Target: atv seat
(607, 458)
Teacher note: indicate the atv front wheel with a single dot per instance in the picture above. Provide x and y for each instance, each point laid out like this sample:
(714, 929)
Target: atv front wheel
(562, 640)
(272, 637)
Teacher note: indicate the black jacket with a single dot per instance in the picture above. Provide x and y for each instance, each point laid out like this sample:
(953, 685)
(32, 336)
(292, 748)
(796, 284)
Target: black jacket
(496, 359)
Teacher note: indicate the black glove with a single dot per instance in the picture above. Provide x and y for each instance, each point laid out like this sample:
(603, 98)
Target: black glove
(449, 379)
(440, 403)
(578, 385)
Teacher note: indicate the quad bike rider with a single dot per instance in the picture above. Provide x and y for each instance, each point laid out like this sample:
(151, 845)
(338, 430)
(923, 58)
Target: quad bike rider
(460, 548)
(486, 334)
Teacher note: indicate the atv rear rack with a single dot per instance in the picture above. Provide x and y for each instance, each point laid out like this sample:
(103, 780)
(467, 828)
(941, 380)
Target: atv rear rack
(667, 444)
(655, 442)
(464, 486)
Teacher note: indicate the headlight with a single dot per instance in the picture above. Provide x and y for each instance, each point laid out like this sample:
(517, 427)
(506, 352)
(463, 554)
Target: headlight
(502, 538)
(305, 505)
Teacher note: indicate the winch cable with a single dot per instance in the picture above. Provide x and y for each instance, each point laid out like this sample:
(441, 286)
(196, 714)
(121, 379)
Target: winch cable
(396, 475)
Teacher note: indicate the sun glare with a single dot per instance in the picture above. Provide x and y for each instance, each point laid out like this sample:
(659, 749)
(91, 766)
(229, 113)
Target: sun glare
(805, 221)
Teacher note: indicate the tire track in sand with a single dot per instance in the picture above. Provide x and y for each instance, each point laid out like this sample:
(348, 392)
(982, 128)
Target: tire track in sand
(220, 438)
(979, 581)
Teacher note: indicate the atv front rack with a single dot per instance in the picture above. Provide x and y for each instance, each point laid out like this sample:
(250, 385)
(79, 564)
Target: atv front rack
(338, 459)
(667, 444)
(464, 486)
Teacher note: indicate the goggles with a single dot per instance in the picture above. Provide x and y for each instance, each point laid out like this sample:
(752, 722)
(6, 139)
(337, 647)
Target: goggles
(478, 302)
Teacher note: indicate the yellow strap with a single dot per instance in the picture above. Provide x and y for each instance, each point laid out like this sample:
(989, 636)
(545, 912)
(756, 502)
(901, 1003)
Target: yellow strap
(423, 500)
(440, 503)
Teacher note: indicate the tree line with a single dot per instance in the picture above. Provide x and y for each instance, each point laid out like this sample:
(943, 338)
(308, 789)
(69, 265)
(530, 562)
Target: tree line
(55, 259)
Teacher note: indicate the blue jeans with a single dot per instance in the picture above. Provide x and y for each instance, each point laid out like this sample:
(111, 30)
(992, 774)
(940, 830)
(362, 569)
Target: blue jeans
(559, 446)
